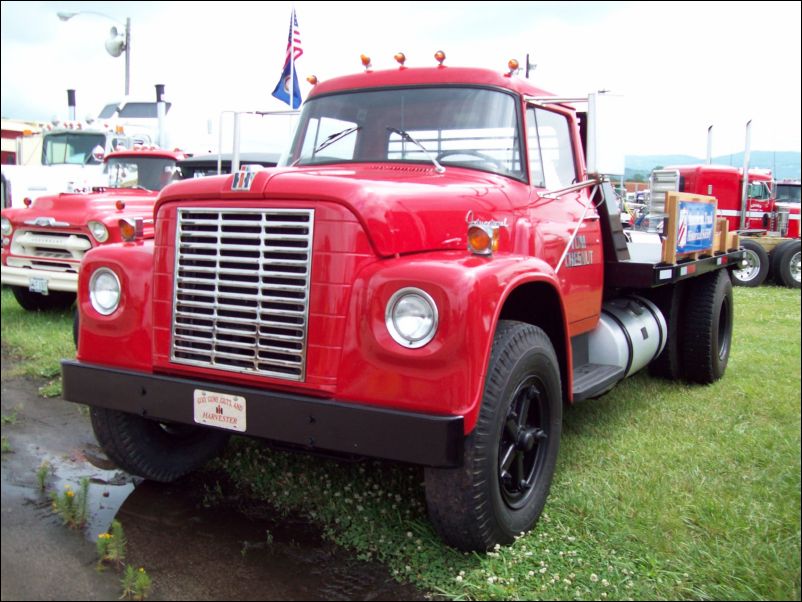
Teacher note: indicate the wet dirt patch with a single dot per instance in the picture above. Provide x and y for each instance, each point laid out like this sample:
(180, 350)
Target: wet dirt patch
(192, 552)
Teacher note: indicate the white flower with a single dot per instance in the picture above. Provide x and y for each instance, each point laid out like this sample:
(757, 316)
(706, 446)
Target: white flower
(594, 577)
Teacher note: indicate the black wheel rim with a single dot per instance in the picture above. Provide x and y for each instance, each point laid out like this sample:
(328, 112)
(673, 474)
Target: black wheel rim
(522, 445)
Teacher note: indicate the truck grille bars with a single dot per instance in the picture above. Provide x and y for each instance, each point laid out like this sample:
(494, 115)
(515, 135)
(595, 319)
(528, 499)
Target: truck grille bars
(241, 294)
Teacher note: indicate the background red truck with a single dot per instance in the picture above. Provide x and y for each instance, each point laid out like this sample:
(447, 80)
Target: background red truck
(435, 270)
(44, 243)
(769, 229)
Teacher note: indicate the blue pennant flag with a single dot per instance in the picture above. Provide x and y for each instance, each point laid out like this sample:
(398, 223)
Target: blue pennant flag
(288, 83)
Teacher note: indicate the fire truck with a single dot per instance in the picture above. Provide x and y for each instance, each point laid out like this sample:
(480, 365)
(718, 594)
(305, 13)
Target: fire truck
(434, 271)
(45, 241)
(769, 229)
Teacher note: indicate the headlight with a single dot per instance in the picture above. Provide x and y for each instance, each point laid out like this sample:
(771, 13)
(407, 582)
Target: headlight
(411, 318)
(99, 231)
(6, 226)
(104, 291)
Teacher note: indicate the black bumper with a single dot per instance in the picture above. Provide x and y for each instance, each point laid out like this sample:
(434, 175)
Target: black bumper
(315, 424)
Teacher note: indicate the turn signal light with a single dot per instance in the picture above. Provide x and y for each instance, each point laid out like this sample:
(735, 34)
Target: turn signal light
(130, 230)
(482, 240)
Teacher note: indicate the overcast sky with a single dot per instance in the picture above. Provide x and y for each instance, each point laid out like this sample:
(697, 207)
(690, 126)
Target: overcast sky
(680, 66)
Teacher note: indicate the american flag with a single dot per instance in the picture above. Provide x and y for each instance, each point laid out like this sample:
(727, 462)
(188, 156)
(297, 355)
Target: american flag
(288, 84)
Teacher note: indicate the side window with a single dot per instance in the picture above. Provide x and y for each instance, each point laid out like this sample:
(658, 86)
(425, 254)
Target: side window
(551, 156)
(322, 129)
(758, 191)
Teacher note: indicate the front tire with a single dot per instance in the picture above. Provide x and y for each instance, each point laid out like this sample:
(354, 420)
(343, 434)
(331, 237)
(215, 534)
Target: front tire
(154, 450)
(509, 459)
(56, 300)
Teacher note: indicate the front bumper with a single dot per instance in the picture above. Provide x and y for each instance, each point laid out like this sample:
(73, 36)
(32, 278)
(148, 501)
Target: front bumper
(315, 424)
(56, 281)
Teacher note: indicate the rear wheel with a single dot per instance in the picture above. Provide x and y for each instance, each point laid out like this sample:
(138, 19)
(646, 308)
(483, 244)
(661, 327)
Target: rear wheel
(785, 263)
(509, 460)
(55, 300)
(707, 336)
(154, 450)
(757, 265)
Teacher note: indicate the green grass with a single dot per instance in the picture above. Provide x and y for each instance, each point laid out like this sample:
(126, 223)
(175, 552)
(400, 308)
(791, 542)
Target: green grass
(663, 490)
(43, 339)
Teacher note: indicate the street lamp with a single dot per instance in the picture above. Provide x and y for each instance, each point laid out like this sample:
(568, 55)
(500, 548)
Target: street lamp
(116, 44)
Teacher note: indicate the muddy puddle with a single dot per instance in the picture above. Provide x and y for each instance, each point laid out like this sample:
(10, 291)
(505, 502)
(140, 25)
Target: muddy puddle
(194, 543)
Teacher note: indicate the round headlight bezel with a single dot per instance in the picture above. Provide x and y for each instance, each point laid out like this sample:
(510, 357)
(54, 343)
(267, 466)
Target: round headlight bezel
(103, 231)
(407, 299)
(6, 227)
(96, 297)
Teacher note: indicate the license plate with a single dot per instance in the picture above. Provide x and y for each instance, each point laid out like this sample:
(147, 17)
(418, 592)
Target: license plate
(38, 285)
(220, 409)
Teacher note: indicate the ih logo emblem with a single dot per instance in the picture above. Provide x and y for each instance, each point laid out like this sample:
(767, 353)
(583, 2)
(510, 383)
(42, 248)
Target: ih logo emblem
(243, 180)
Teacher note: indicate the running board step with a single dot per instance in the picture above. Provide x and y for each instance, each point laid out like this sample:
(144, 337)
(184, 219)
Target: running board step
(593, 380)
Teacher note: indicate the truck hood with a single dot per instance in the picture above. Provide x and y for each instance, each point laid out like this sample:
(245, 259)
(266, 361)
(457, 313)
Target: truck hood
(34, 181)
(403, 208)
(78, 209)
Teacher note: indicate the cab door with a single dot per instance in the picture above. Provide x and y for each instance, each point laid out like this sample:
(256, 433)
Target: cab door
(567, 228)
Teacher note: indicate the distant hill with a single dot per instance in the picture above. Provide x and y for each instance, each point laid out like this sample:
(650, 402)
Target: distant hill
(784, 165)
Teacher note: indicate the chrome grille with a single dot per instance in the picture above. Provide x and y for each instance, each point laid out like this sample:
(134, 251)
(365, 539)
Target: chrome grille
(241, 295)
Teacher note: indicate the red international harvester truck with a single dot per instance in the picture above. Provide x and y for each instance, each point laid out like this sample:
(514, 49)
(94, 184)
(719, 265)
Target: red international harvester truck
(433, 273)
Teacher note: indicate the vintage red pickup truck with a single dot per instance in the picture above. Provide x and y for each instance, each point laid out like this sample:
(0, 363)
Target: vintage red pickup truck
(45, 240)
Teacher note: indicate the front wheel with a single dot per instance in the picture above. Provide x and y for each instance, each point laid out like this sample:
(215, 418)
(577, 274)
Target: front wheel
(154, 450)
(509, 460)
(56, 300)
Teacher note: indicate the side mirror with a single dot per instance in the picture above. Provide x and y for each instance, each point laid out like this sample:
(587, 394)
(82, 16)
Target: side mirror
(606, 146)
(98, 153)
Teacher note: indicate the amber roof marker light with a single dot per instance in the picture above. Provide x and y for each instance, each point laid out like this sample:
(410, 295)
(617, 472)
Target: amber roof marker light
(440, 56)
(513, 66)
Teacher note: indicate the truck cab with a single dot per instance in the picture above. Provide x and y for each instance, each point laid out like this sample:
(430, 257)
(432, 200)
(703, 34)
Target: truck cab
(45, 240)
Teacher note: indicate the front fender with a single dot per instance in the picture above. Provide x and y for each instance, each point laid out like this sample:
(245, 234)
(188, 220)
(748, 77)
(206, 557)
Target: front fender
(447, 375)
(123, 338)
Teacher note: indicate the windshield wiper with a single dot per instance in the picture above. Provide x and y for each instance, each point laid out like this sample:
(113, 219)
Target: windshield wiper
(405, 136)
(334, 138)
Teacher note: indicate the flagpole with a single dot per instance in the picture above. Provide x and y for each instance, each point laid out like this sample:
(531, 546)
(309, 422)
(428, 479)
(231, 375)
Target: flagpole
(292, 57)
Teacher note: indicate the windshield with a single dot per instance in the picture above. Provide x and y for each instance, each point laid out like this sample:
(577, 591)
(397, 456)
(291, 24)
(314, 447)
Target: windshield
(788, 193)
(469, 127)
(151, 173)
(74, 148)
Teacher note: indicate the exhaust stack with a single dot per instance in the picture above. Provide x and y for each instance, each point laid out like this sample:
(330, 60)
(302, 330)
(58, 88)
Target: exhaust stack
(71, 105)
(161, 110)
(745, 181)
